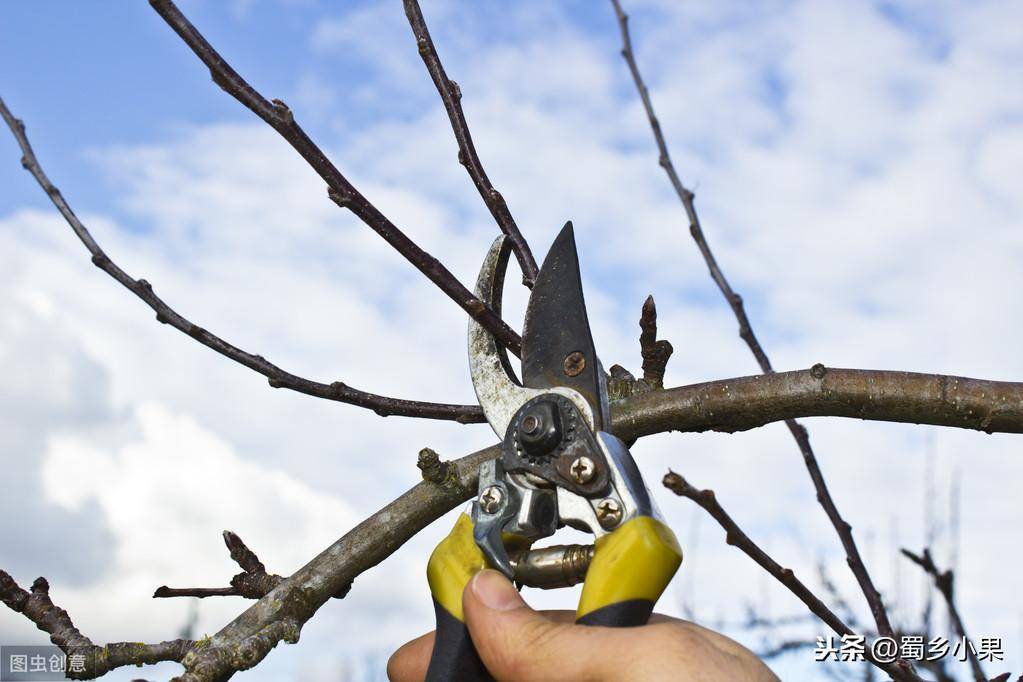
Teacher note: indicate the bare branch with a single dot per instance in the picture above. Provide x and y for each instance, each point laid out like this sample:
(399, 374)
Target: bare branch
(842, 528)
(451, 95)
(655, 352)
(281, 613)
(737, 538)
(748, 402)
(279, 117)
(98, 660)
(277, 377)
(945, 582)
(252, 583)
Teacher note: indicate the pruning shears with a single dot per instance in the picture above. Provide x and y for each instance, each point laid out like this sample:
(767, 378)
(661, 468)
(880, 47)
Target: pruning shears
(557, 467)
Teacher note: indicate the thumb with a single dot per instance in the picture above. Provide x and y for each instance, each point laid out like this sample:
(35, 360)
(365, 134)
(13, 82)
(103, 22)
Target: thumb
(516, 642)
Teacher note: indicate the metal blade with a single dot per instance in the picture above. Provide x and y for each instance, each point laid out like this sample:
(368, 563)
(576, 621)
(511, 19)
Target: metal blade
(557, 347)
(500, 394)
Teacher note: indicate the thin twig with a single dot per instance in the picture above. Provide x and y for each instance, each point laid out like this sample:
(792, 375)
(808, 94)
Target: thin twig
(96, 660)
(797, 430)
(252, 583)
(945, 582)
(277, 377)
(655, 352)
(451, 95)
(737, 538)
(279, 117)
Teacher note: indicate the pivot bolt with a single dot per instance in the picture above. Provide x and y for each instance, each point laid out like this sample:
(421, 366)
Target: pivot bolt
(539, 429)
(609, 513)
(531, 425)
(582, 470)
(491, 499)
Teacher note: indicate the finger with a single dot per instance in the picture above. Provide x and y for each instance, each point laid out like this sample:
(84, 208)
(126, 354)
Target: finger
(409, 662)
(516, 642)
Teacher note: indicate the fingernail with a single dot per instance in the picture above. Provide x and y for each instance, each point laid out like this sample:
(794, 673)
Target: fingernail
(496, 591)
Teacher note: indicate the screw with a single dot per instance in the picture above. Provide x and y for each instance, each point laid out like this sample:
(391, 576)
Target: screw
(575, 363)
(609, 513)
(582, 470)
(491, 499)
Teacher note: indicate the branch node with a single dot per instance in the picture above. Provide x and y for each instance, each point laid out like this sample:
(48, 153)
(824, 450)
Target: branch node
(434, 470)
(284, 112)
(818, 371)
(456, 90)
(342, 199)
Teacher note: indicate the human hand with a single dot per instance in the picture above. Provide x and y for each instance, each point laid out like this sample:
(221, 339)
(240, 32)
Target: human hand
(517, 643)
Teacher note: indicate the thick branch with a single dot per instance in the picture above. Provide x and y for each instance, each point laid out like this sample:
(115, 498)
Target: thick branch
(945, 582)
(277, 377)
(737, 538)
(279, 117)
(282, 612)
(96, 660)
(748, 402)
(842, 528)
(451, 95)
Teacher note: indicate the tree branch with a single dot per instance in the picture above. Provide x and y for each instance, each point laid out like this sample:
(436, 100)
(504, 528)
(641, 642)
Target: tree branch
(277, 377)
(281, 613)
(97, 660)
(451, 95)
(945, 582)
(737, 538)
(279, 117)
(748, 402)
(799, 433)
(655, 352)
(252, 583)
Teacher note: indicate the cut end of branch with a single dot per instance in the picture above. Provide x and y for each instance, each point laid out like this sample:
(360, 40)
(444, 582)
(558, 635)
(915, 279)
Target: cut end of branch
(434, 470)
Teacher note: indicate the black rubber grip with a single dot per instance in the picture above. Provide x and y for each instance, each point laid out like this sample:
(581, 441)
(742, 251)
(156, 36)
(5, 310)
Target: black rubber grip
(454, 655)
(624, 614)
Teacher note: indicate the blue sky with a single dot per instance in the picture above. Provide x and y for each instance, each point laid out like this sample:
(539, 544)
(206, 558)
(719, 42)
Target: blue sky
(857, 169)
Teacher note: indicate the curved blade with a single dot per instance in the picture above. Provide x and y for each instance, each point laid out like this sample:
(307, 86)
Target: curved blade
(499, 393)
(557, 347)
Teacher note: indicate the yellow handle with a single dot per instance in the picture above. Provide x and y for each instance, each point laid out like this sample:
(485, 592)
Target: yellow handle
(631, 568)
(452, 565)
